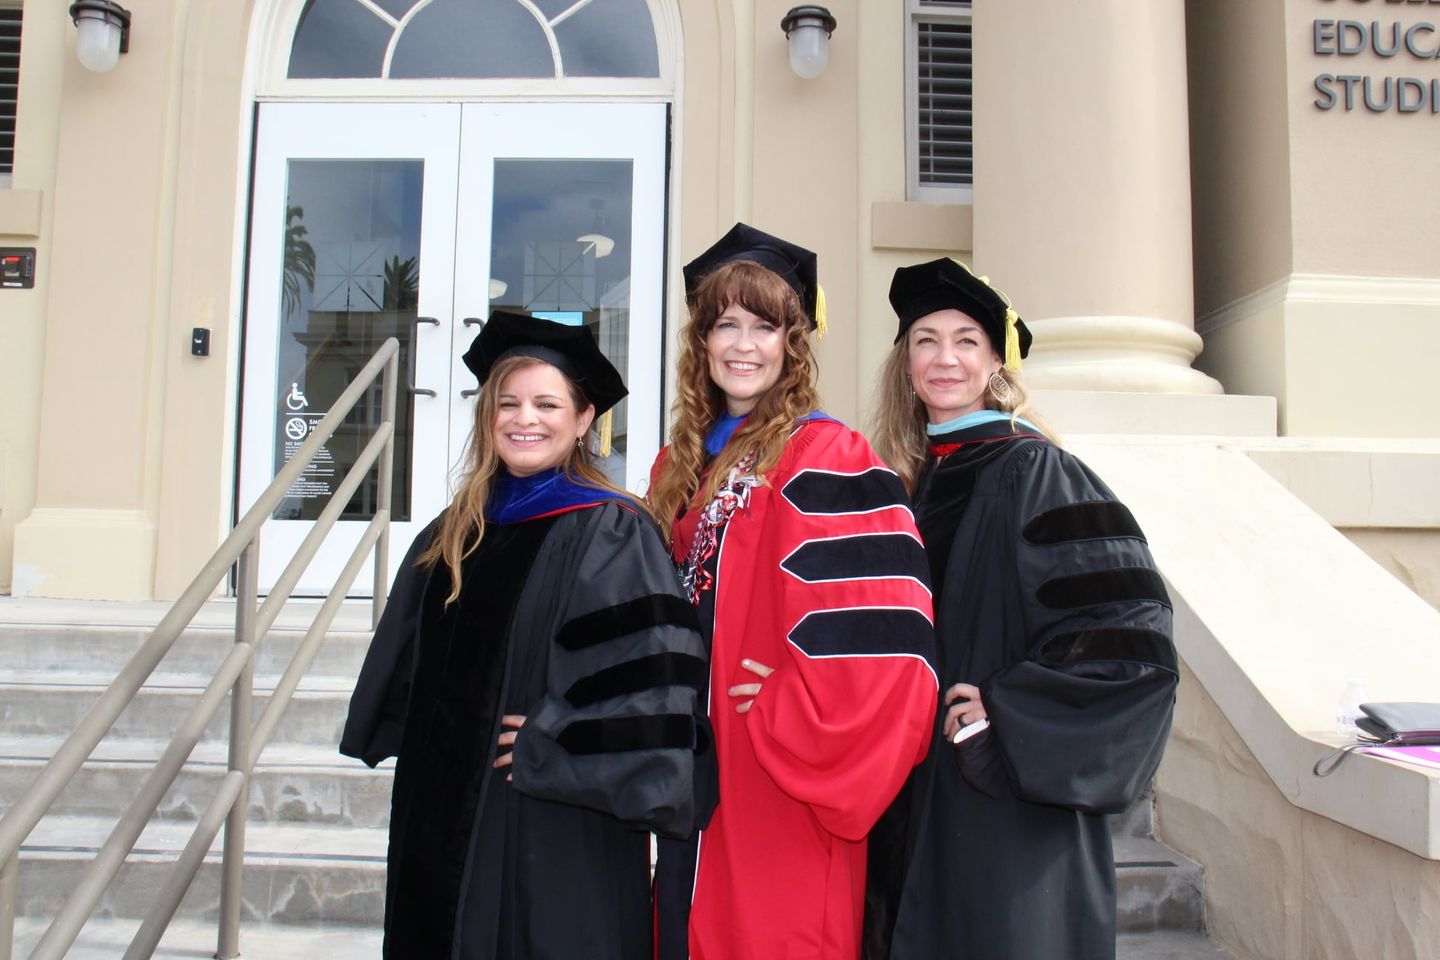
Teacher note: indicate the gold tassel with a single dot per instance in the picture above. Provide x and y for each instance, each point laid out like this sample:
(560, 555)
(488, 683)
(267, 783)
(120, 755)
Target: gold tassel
(607, 432)
(819, 311)
(1012, 341)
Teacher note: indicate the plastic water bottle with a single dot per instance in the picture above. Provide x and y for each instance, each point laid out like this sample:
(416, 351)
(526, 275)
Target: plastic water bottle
(1348, 711)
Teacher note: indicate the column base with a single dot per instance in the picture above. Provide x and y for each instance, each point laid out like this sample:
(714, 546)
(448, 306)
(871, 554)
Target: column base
(1116, 354)
(84, 554)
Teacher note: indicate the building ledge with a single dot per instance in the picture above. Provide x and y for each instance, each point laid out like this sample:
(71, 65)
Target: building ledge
(1274, 610)
(20, 213)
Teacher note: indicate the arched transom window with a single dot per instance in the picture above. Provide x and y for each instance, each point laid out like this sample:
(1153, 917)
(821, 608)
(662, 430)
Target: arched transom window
(476, 39)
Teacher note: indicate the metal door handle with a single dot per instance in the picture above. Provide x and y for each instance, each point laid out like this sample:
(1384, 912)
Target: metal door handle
(471, 322)
(410, 374)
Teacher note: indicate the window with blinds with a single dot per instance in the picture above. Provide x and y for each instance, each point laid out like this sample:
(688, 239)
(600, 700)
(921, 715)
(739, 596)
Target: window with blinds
(939, 101)
(9, 87)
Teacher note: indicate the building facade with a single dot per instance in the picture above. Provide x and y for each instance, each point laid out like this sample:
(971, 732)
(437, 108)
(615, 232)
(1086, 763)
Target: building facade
(1210, 199)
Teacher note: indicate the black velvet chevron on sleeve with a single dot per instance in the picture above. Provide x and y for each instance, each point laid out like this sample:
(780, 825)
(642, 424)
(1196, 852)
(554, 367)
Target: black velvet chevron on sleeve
(862, 557)
(632, 676)
(1111, 643)
(620, 734)
(821, 492)
(1089, 520)
(865, 631)
(1117, 585)
(641, 613)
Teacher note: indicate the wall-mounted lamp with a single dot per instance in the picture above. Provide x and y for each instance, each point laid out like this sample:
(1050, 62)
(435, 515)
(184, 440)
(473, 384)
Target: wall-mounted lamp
(102, 33)
(807, 29)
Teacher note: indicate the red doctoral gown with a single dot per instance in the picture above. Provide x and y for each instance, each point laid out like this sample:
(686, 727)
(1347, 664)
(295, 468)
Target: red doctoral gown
(823, 578)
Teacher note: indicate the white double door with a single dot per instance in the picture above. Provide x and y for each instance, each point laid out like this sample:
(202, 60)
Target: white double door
(415, 221)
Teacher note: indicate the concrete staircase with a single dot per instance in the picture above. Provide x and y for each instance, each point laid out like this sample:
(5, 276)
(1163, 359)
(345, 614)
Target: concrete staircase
(315, 868)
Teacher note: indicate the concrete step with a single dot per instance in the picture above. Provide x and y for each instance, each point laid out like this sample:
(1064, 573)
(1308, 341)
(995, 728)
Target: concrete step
(292, 782)
(1169, 945)
(329, 874)
(50, 647)
(315, 715)
(1139, 820)
(1156, 888)
(189, 939)
(293, 873)
(106, 939)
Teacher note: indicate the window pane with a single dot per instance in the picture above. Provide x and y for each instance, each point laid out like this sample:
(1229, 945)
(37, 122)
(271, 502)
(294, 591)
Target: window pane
(338, 38)
(609, 38)
(396, 8)
(473, 38)
(351, 279)
(560, 248)
(944, 141)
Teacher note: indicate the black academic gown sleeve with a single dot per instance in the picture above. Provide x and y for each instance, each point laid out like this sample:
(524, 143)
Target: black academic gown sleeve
(1081, 720)
(617, 728)
(375, 723)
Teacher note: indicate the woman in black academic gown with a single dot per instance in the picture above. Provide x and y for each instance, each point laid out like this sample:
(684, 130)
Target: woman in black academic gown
(1054, 635)
(535, 672)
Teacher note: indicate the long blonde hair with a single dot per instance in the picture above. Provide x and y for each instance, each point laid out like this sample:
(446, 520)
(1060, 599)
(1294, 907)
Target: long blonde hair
(898, 425)
(462, 526)
(699, 402)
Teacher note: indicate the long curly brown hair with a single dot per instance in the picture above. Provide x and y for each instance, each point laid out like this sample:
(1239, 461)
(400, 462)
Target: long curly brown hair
(462, 526)
(683, 478)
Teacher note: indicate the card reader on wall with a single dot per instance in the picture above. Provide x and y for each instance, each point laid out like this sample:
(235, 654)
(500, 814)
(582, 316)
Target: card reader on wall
(17, 268)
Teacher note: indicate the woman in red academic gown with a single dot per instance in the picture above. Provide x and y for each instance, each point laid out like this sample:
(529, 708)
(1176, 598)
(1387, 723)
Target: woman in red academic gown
(798, 548)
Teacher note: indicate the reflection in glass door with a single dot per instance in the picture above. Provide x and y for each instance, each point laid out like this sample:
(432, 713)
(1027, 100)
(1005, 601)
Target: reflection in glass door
(352, 241)
(351, 280)
(555, 253)
(572, 198)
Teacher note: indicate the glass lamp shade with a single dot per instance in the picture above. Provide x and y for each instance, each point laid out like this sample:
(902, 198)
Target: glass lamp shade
(97, 41)
(809, 48)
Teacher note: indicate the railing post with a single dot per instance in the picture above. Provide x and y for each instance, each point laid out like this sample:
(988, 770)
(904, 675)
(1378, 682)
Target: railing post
(232, 877)
(9, 881)
(382, 494)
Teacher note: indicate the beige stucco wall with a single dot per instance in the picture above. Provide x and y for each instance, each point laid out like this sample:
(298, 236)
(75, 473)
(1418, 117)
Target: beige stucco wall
(1411, 556)
(1311, 257)
(1282, 883)
(25, 213)
(1239, 150)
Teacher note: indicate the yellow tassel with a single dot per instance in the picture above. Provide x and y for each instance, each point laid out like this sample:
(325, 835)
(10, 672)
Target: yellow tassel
(819, 311)
(607, 432)
(1012, 341)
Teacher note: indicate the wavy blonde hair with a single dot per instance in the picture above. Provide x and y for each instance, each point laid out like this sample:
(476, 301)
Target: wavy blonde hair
(462, 526)
(898, 425)
(700, 402)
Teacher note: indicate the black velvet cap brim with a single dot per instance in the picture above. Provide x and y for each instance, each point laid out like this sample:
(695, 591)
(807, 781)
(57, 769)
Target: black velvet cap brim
(791, 262)
(572, 350)
(925, 288)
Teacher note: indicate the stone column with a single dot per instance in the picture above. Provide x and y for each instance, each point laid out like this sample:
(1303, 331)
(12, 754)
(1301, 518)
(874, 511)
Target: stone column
(1082, 188)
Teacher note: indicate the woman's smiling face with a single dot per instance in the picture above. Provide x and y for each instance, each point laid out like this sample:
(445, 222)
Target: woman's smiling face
(951, 360)
(537, 421)
(746, 354)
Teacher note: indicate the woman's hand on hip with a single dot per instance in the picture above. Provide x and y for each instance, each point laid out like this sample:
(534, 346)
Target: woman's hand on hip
(507, 739)
(749, 691)
(963, 699)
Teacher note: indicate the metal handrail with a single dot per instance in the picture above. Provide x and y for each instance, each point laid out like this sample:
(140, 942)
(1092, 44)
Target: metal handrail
(233, 677)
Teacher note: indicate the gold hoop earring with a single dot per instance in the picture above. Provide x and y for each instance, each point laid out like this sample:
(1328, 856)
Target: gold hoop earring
(1000, 388)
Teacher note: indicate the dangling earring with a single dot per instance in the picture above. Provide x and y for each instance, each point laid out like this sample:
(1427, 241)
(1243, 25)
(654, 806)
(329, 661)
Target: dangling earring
(910, 385)
(999, 388)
